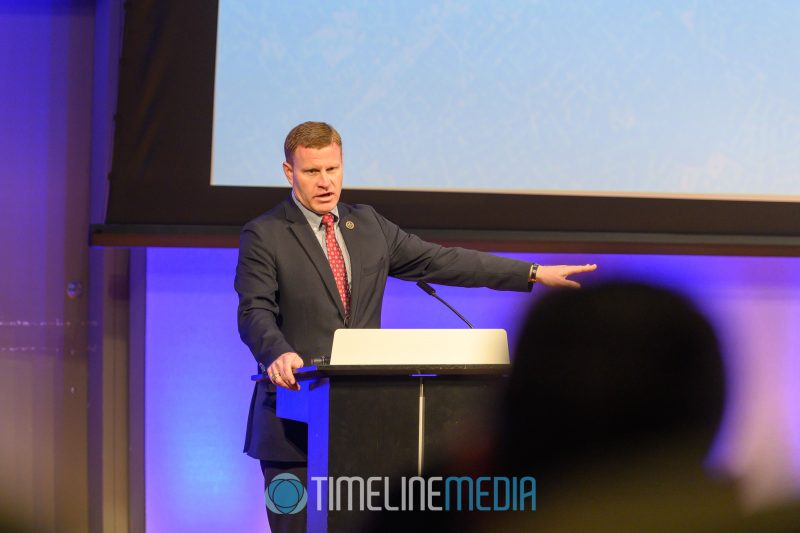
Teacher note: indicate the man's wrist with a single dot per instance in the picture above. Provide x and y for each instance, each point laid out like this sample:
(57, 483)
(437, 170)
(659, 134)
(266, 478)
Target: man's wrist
(532, 273)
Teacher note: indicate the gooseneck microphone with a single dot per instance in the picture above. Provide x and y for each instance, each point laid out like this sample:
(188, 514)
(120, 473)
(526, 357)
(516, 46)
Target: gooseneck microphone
(430, 290)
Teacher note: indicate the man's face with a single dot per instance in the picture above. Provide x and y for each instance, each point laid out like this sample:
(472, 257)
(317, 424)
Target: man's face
(315, 175)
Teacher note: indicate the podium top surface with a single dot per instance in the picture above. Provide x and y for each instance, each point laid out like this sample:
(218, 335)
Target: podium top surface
(322, 371)
(419, 347)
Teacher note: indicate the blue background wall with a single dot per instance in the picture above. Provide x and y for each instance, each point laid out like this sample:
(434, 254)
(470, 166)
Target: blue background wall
(197, 371)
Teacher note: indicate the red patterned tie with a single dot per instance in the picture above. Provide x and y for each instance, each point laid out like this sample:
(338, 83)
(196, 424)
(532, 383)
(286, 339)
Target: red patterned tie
(336, 260)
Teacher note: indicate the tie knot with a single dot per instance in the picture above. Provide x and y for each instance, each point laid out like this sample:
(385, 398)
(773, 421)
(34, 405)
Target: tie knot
(327, 219)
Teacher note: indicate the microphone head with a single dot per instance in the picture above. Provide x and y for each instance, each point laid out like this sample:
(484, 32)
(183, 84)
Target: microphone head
(425, 287)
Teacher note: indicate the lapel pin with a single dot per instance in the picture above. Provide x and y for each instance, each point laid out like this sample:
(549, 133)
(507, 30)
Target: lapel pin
(349, 224)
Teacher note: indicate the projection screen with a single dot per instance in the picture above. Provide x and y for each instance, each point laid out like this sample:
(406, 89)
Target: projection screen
(666, 119)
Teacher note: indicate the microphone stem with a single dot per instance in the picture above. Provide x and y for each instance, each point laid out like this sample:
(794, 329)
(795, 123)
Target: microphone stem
(453, 310)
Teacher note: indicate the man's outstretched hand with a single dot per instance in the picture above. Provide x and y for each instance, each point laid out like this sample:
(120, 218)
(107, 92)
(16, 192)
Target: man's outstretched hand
(281, 371)
(556, 276)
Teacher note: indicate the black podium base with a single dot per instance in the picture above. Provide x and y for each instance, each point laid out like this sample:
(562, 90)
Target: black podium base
(401, 422)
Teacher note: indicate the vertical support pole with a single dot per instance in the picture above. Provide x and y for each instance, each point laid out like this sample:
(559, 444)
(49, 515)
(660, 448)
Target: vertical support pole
(421, 428)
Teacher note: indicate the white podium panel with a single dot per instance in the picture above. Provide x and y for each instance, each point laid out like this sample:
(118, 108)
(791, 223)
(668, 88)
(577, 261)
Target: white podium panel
(420, 347)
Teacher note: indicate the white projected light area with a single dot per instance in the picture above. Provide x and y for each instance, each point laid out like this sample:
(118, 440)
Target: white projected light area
(675, 97)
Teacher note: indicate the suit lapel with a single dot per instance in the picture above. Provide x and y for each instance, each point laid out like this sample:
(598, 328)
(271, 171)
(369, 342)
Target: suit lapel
(350, 234)
(302, 231)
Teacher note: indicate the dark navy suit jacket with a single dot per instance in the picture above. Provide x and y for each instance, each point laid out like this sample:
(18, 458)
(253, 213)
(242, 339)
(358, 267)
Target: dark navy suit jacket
(288, 301)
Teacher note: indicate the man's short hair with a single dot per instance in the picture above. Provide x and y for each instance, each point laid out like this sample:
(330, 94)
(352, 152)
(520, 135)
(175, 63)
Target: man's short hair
(310, 135)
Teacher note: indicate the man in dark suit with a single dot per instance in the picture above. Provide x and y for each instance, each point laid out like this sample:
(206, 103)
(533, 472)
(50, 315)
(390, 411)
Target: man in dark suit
(311, 265)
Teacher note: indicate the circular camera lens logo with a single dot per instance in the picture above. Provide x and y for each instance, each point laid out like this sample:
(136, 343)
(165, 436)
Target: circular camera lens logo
(285, 494)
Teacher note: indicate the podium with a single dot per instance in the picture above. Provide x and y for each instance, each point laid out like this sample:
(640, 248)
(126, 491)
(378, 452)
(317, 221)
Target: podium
(393, 419)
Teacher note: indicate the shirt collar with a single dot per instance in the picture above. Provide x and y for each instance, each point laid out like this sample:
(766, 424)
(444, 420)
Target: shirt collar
(314, 219)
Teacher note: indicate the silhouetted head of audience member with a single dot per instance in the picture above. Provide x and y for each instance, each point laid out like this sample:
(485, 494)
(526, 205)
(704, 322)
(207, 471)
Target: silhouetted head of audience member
(607, 370)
